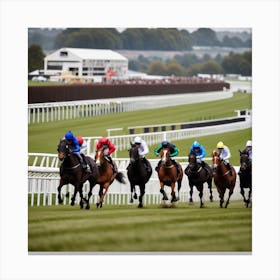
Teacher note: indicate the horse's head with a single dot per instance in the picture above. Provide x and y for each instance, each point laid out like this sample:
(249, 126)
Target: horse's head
(216, 160)
(99, 156)
(165, 155)
(192, 161)
(133, 153)
(244, 161)
(62, 149)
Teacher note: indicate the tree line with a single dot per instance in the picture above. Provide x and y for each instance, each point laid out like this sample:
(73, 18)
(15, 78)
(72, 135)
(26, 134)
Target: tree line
(191, 65)
(133, 38)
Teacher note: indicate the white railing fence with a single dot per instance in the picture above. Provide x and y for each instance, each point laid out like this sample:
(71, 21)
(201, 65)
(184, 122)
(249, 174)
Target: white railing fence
(43, 183)
(58, 111)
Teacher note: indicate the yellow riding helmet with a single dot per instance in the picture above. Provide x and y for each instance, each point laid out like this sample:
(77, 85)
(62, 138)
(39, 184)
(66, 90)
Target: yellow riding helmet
(220, 145)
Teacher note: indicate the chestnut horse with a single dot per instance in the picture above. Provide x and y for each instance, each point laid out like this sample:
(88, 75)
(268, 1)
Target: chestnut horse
(245, 175)
(197, 176)
(137, 174)
(106, 175)
(167, 174)
(71, 172)
(222, 178)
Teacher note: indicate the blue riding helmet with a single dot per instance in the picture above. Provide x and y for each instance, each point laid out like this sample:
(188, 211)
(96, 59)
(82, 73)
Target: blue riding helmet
(165, 144)
(196, 144)
(69, 135)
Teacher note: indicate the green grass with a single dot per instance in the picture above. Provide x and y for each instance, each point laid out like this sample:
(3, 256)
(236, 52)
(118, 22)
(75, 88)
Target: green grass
(152, 229)
(44, 137)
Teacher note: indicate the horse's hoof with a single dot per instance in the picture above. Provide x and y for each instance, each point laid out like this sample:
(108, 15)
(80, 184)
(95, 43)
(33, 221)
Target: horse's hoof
(87, 207)
(174, 199)
(97, 205)
(140, 205)
(60, 201)
(211, 199)
(135, 196)
(72, 203)
(131, 200)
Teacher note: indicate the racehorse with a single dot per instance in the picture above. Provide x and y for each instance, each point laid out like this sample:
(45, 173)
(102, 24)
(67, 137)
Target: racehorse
(137, 174)
(167, 174)
(222, 178)
(71, 172)
(245, 175)
(197, 175)
(106, 175)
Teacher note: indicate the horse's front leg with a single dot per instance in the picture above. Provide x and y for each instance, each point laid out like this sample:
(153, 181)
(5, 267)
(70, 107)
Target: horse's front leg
(173, 199)
(249, 196)
(179, 187)
(59, 198)
(229, 195)
(210, 189)
(162, 191)
(243, 193)
(92, 184)
(142, 192)
(191, 194)
(221, 196)
(200, 188)
(132, 188)
(102, 194)
(81, 196)
(74, 195)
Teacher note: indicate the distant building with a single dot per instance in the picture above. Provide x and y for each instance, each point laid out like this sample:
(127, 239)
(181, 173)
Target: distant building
(95, 63)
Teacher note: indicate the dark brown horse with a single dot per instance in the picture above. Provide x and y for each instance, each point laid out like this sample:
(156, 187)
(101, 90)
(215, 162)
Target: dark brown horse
(197, 176)
(71, 172)
(168, 175)
(222, 178)
(245, 176)
(137, 174)
(106, 175)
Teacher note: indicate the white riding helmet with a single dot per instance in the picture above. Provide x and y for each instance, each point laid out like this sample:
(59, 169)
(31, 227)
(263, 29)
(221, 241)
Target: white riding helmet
(137, 140)
(249, 143)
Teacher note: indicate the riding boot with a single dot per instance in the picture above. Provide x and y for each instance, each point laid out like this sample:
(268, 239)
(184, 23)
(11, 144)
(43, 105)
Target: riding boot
(81, 161)
(229, 168)
(148, 168)
(205, 167)
(157, 167)
(112, 164)
(176, 165)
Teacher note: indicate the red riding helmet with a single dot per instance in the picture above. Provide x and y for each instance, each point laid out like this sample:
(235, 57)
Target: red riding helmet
(103, 141)
(80, 140)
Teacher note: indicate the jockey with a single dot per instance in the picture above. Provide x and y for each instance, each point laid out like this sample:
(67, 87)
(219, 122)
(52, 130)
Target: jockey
(109, 148)
(225, 155)
(75, 149)
(142, 150)
(173, 152)
(248, 150)
(82, 143)
(200, 152)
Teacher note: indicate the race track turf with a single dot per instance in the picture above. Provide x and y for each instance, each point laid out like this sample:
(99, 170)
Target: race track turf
(125, 228)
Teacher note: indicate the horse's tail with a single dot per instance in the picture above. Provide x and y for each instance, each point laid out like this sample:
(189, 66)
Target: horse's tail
(120, 177)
